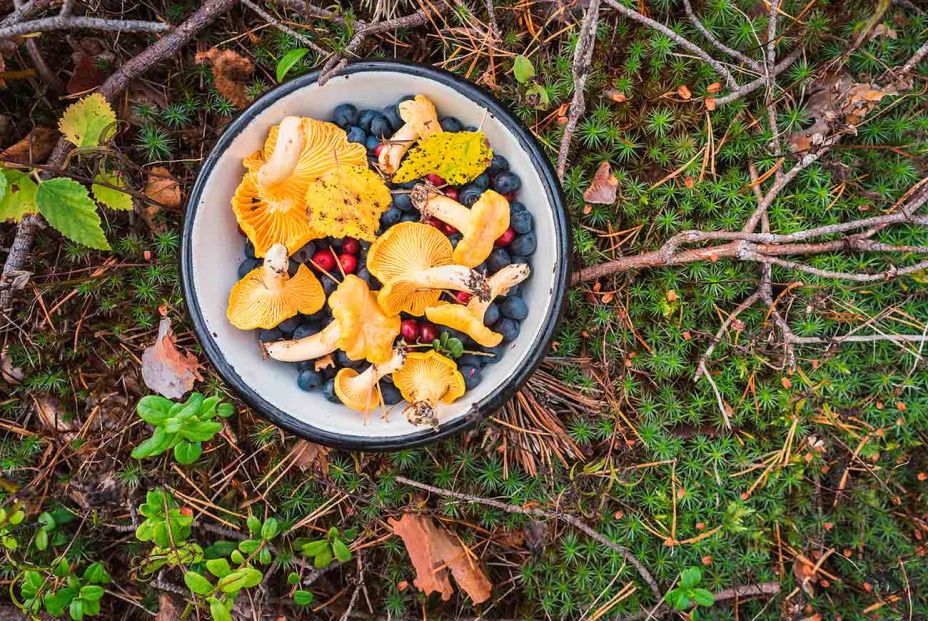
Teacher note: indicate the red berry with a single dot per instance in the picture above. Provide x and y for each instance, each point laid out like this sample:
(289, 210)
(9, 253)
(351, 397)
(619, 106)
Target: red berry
(409, 330)
(434, 179)
(462, 296)
(451, 193)
(324, 260)
(351, 245)
(509, 196)
(349, 262)
(448, 230)
(427, 332)
(506, 238)
(438, 224)
(379, 148)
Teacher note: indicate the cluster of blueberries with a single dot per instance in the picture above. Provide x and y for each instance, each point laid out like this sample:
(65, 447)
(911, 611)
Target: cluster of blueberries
(516, 245)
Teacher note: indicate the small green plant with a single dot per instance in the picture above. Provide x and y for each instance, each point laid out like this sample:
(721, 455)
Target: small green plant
(63, 590)
(322, 551)
(288, 60)
(9, 519)
(180, 426)
(49, 531)
(166, 524)
(524, 72)
(687, 593)
(449, 345)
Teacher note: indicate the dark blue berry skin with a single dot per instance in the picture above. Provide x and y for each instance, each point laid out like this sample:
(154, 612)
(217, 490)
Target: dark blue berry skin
(288, 326)
(249, 249)
(381, 127)
(469, 195)
(509, 328)
(405, 98)
(472, 360)
(497, 353)
(515, 292)
(491, 315)
(328, 285)
(506, 182)
(328, 391)
(392, 114)
(515, 207)
(365, 275)
(342, 358)
(482, 182)
(345, 115)
(309, 380)
(518, 258)
(406, 185)
(403, 201)
(498, 164)
(455, 239)
(293, 267)
(410, 217)
(450, 124)
(470, 128)
(514, 308)
(304, 254)
(523, 244)
(482, 268)
(522, 221)
(390, 217)
(471, 375)
(497, 260)
(365, 119)
(372, 143)
(356, 134)
(391, 394)
(268, 336)
(246, 266)
(306, 364)
(306, 329)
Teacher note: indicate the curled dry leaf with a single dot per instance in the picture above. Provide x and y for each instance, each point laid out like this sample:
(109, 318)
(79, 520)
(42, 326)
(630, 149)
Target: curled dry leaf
(616, 95)
(603, 188)
(433, 551)
(167, 610)
(684, 92)
(307, 455)
(34, 148)
(165, 369)
(162, 187)
(230, 73)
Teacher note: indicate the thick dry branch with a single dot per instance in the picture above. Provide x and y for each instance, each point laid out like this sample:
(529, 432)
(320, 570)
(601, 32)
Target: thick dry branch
(551, 515)
(889, 274)
(48, 24)
(25, 11)
(859, 338)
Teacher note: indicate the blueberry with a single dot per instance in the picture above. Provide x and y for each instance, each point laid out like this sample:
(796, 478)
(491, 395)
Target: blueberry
(391, 394)
(392, 114)
(450, 124)
(405, 98)
(521, 221)
(509, 328)
(304, 254)
(390, 217)
(342, 358)
(365, 275)
(249, 249)
(482, 268)
(498, 164)
(345, 115)
(306, 364)
(406, 185)
(471, 360)
(471, 376)
(506, 182)
(514, 308)
(518, 258)
(496, 353)
(306, 329)
(515, 207)
(455, 239)
(469, 195)
(470, 128)
(356, 134)
(268, 336)
(310, 380)
(293, 267)
(328, 391)
(404, 201)
(410, 217)
(365, 119)
(523, 244)
(246, 266)
(328, 285)
(288, 326)
(497, 260)
(491, 314)
(372, 143)
(381, 127)
(515, 292)
(482, 182)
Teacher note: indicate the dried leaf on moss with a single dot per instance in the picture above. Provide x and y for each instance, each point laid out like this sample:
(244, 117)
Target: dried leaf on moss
(231, 72)
(165, 369)
(603, 188)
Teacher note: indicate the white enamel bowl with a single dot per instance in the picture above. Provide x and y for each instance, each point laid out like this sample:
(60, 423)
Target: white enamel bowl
(212, 251)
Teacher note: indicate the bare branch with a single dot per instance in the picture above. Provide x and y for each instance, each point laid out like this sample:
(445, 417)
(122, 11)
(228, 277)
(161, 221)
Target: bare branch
(753, 85)
(284, 28)
(48, 24)
(750, 62)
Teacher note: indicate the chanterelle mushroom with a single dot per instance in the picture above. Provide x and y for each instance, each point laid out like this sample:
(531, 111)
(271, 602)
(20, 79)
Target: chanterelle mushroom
(481, 225)
(425, 380)
(468, 318)
(413, 261)
(359, 327)
(361, 391)
(420, 121)
(267, 295)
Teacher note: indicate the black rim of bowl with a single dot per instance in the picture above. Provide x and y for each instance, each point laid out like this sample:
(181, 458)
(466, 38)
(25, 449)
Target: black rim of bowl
(536, 350)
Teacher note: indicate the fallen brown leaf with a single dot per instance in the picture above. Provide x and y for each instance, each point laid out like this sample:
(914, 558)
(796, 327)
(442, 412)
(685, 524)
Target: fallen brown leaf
(88, 55)
(230, 72)
(714, 88)
(34, 148)
(162, 187)
(603, 188)
(165, 369)
(433, 551)
(616, 96)
(167, 610)
(308, 455)
(684, 92)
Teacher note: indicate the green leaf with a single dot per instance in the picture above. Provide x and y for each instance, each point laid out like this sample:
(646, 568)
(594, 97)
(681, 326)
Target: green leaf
(690, 577)
(41, 539)
(677, 599)
(197, 583)
(56, 603)
(225, 410)
(114, 199)
(3, 184)
(96, 574)
(315, 547)
(76, 610)
(154, 409)
(323, 559)
(68, 208)
(264, 556)
(219, 567)
(217, 610)
(269, 529)
(236, 557)
(19, 198)
(302, 598)
(456, 157)
(253, 523)
(155, 445)
(539, 94)
(187, 452)
(522, 69)
(293, 578)
(89, 122)
(342, 553)
(702, 597)
(286, 62)
(455, 347)
(92, 592)
(249, 545)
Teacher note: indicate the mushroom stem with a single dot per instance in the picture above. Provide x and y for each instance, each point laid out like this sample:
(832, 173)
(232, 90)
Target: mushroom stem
(420, 121)
(499, 284)
(422, 412)
(447, 210)
(454, 277)
(275, 267)
(286, 153)
(306, 348)
(365, 381)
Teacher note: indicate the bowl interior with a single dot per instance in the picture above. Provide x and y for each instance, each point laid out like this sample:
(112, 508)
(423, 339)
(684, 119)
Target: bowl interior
(213, 251)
